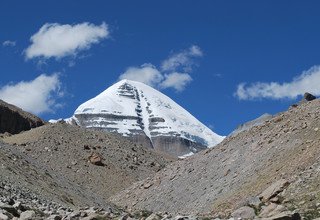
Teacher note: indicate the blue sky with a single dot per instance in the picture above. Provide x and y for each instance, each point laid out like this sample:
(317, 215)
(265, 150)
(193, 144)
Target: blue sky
(213, 47)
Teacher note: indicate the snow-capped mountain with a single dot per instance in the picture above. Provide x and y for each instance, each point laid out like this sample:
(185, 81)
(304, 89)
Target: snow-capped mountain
(147, 116)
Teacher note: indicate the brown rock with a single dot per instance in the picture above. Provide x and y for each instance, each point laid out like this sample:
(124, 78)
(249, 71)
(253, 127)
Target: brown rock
(96, 159)
(147, 185)
(271, 210)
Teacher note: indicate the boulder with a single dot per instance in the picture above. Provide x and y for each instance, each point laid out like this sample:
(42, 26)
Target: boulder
(54, 217)
(271, 210)
(92, 216)
(96, 159)
(27, 215)
(245, 212)
(254, 202)
(308, 96)
(10, 209)
(154, 216)
(273, 190)
(287, 215)
(3, 216)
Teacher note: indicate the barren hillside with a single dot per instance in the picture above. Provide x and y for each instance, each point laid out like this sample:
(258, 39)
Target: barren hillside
(232, 174)
(84, 166)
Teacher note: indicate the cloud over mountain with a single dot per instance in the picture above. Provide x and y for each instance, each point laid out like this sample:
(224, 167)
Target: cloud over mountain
(173, 73)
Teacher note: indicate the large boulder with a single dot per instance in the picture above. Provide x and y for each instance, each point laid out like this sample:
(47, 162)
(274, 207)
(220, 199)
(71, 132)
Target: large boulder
(245, 212)
(273, 190)
(308, 96)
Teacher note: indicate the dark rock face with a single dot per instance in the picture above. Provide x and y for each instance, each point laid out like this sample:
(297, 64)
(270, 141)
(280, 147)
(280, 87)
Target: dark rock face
(14, 120)
(309, 97)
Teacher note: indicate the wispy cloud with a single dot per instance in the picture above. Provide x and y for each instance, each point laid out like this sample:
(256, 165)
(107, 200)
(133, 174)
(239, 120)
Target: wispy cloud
(308, 81)
(173, 73)
(9, 43)
(175, 80)
(146, 73)
(37, 96)
(57, 40)
(184, 60)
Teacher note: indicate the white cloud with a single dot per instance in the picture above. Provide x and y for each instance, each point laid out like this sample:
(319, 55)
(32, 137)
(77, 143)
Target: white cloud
(9, 43)
(167, 76)
(36, 96)
(175, 80)
(308, 81)
(57, 40)
(182, 60)
(147, 74)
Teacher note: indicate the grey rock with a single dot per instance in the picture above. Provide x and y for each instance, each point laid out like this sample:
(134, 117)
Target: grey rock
(93, 216)
(245, 212)
(273, 190)
(153, 216)
(54, 217)
(287, 215)
(3, 216)
(9, 209)
(186, 217)
(254, 202)
(27, 215)
(271, 210)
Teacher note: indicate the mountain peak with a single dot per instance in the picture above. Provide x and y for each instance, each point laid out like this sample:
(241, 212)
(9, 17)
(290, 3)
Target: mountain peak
(138, 111)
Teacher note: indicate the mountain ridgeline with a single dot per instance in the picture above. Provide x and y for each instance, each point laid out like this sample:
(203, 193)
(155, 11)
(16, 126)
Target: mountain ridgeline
(145, 116)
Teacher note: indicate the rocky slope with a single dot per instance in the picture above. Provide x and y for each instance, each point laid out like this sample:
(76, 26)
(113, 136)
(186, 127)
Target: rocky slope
(13, 120)
(246, 126)
(146, 116)
(75, 166)
(268, 170)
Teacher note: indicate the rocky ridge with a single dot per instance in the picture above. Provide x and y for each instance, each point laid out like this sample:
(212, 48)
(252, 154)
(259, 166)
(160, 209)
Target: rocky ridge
(246, 126)
(13, 120)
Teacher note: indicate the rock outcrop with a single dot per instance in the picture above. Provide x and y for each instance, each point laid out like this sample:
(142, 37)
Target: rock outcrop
(14, 120)
(309, 97)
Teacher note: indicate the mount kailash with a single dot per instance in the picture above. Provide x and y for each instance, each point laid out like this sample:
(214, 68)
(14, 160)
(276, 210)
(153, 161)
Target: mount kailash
(146, 116)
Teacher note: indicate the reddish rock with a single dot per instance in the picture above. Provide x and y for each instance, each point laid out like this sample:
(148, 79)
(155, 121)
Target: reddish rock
(96, 159)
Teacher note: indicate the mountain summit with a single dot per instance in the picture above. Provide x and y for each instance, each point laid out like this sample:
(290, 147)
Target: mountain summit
(147, 116)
